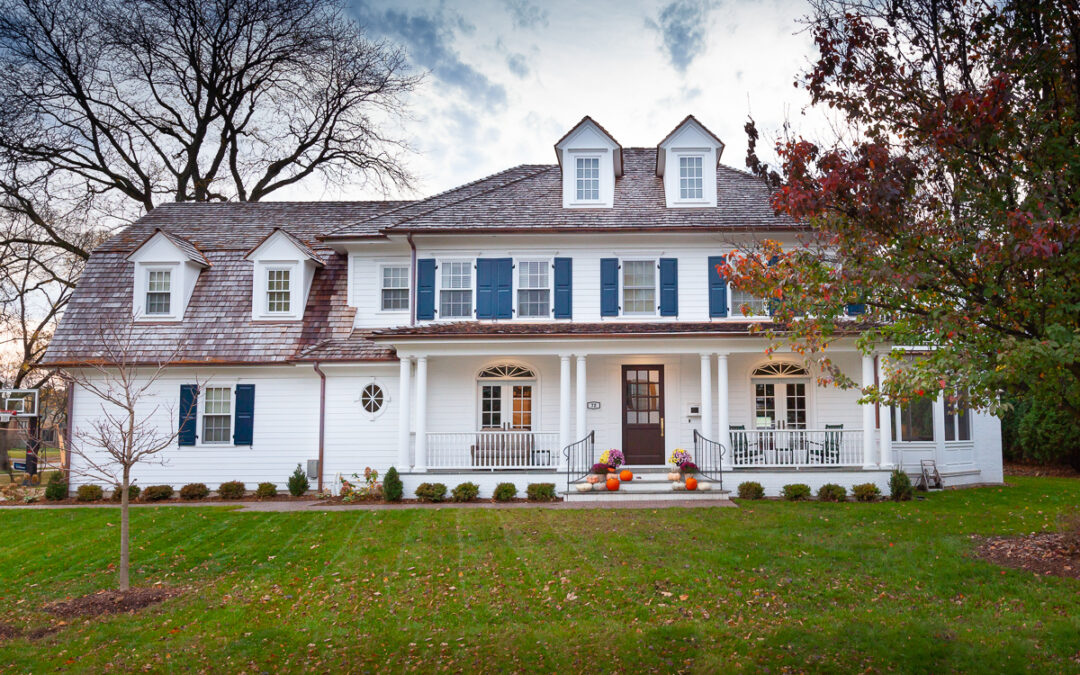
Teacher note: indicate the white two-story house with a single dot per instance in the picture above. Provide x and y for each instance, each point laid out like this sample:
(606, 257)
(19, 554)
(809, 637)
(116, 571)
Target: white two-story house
(510, 329)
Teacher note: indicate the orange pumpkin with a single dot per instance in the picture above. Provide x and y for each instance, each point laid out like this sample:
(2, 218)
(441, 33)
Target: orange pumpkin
(691, 483)
(613, 484)
(625, 475)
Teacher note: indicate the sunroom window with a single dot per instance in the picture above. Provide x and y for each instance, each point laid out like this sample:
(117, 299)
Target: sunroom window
(916, 421)
(158, 292)
(639, 287)
(588, 179)
(455, 298)
(957, 421)
(534, 293)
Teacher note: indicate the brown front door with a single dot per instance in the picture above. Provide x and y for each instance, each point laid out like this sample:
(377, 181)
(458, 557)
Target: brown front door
(643, 414)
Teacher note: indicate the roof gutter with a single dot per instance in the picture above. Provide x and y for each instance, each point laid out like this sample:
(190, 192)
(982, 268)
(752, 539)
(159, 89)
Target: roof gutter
(322, 420)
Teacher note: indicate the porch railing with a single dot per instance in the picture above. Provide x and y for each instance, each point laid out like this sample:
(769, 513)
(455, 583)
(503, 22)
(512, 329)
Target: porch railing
(493, 450)
(707, 456)
(579, 458)
(796, 447)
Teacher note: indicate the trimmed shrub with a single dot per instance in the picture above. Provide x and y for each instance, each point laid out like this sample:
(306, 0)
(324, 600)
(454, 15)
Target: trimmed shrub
(193, 491)
(391, 486)
(465, 492)
(504, 492)
(89, 493)
(831, 492)
(540, 492)
(232, 489)
(157, 493)
(796, 492)
(298, 482)
(431, 492)
(751, 490)
(266, 490)
(900, 489)
(57, 488)
(133, 493)
(866, 492)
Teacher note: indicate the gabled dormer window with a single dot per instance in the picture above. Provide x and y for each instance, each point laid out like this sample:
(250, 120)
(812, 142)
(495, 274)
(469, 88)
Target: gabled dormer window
(690, 178)
(159, 292)
(588, 179)
(278, 291)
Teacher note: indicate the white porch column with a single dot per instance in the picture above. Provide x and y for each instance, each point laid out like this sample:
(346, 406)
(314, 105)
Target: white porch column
(564, 407)
(723, 420)
(404, 412)
(885, 415)
(580, 430)
(706, 397)
(421, 415)
(868, 414)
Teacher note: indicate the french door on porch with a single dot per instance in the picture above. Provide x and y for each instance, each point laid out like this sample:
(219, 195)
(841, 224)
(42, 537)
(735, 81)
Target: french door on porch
(780, 404)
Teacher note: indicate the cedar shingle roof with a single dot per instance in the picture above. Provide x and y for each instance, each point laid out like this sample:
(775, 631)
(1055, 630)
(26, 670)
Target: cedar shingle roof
(465, 329)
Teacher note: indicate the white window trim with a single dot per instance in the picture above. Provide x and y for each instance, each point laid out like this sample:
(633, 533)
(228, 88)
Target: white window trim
(507, 383)
(201, 413)
(174, 278)
(550, 262)
(599, 157)
(380, 288)
(387, 398)
(656, 286)
(279, 267)
(439, 262)
(678, 177)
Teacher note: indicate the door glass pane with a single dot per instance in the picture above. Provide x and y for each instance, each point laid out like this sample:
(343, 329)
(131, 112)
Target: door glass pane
(643, 396)
(765, 405)
(796, 405)
(491, 406)
(522, 407)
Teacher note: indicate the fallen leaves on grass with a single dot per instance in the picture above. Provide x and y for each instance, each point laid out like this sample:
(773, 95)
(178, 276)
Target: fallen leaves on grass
(1045, 554)
(112, 601)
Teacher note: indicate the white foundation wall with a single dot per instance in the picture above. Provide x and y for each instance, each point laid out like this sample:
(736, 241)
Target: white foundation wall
(285, 429)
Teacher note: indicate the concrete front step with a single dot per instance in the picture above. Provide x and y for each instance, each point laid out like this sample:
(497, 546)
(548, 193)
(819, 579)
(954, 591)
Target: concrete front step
(719, 496)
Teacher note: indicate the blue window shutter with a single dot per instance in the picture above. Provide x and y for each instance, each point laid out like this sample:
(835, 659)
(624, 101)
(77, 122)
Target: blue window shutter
(425, 289)
(669, 287)
(504, 287)
(189, 412)
(244, 417)
(856, 308)
(564, 288)
(485, 288)
(609, 287)
(718, 303)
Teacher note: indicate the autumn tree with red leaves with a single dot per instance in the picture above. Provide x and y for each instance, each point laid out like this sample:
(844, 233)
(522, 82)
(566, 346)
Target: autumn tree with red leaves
(946, 204)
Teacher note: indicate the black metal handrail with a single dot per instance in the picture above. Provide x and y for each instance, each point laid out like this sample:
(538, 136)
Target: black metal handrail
(708, 455)
(579, 458)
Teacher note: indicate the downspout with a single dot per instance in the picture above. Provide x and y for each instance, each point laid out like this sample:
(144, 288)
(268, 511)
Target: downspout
(322, 419)
(412, 284)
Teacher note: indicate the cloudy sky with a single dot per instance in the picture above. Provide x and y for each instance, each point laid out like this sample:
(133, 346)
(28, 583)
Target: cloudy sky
(506, 78)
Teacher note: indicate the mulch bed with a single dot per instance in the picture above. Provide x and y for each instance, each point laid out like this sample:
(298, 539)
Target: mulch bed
(337, 501)
(1061, 471)
(1042, 554)
(71, 501)
(112, 601)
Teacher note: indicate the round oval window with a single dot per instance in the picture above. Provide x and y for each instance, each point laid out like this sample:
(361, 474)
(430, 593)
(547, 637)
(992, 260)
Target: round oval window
(372, 398)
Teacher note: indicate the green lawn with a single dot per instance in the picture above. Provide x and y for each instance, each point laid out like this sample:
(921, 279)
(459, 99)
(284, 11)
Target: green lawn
(803, 587)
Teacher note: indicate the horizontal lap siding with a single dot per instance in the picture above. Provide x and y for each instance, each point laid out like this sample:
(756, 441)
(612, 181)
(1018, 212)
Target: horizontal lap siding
(356, 439)
(365, 292)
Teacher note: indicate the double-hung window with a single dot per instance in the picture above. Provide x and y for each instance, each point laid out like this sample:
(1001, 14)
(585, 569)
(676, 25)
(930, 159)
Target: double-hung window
(455, 295)
(534, 290)
(745, 303)
(639, 286)
(957, 421)
(588, 179)
(278, 295)
(217, 415)
(916, 420)
(395, 288)
(158, 292)
(690, 178)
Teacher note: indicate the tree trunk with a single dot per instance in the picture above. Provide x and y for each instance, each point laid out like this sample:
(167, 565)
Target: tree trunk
(122, 572)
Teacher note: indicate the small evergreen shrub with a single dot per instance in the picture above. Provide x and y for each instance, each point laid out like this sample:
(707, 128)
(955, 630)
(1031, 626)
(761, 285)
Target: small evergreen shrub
(298, 482)
(266, 490)
(751, 490)
(431, 492)
(465, 492)
(504, 492)
(796, 492)
(133, 493)
(157, 493)
(233, 489)
(57, 488)
(831, 492)
(392, 487)
(193, 491)
(89, 493)
(866, 492)
(900, 489)
(540, 492)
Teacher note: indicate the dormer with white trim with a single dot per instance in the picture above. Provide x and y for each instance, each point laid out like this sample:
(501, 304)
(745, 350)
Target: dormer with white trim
(166, 269)
(591, 160)
(283, 269)
(686, 159)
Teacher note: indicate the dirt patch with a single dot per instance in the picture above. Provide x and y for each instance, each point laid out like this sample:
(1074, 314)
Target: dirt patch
(1054, 471)
(11, 632)
(8, 632)
(112, 602)
(1044, 554)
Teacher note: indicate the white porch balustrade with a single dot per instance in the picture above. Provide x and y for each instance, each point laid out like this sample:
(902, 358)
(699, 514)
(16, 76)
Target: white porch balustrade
(490, 450)
(796, 447)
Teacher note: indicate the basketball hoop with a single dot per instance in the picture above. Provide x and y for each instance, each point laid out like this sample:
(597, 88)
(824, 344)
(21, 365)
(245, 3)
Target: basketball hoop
(6, 415)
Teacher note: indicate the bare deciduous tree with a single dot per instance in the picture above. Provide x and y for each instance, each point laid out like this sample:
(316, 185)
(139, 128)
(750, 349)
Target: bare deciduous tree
(128, 430)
